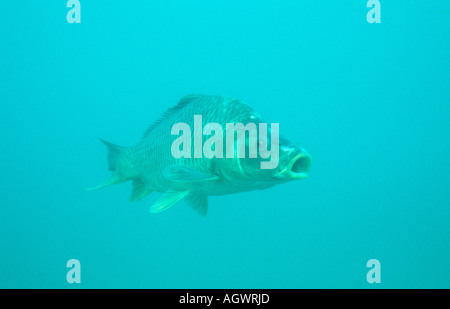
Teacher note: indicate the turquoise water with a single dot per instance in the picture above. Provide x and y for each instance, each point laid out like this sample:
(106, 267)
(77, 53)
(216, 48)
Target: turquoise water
(370, 103)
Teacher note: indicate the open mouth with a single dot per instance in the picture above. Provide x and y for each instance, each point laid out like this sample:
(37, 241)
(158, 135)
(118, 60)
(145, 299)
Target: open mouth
(299, 166)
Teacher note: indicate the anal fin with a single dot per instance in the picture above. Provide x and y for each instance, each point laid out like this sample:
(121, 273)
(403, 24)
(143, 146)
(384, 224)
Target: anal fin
(139, 190)
(199, 203)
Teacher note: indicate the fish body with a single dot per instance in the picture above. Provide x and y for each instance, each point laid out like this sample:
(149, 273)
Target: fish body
(152, 166)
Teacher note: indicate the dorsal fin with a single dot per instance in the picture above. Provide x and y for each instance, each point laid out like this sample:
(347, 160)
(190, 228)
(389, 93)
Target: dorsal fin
(182, 103)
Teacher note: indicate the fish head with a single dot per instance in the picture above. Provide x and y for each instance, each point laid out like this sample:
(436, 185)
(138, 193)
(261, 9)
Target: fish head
(288, 162)
(294, 162)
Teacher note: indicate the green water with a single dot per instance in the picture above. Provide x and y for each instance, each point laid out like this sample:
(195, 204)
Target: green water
(370, 103)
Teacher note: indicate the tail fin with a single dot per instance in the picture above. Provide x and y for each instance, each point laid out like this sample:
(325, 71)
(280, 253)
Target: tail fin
(114, 152)
(111, 181)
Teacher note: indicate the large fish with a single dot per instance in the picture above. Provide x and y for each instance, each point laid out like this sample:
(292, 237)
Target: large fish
(152, 166)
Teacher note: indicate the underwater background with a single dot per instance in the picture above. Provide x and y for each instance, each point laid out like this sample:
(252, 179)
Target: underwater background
(369, 102)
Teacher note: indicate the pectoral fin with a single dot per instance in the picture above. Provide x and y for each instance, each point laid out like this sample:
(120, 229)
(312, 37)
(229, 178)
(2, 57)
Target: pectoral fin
(167, 200)
(199, 203)
(181, 173)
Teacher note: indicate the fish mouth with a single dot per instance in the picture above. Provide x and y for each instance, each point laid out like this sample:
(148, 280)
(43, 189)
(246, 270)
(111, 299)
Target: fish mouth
(297, 168)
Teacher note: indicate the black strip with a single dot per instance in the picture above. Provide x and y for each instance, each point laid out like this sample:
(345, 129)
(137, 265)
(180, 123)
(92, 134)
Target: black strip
(213, 298)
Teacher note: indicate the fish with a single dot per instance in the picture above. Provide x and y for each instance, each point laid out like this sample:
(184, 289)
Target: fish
(152, 166)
